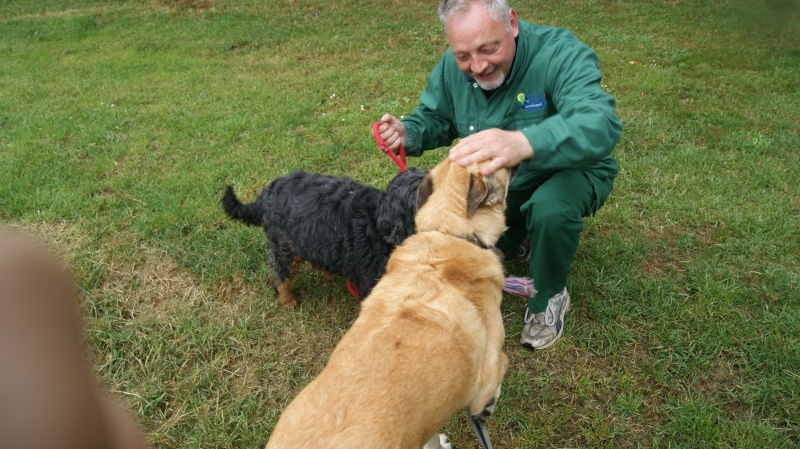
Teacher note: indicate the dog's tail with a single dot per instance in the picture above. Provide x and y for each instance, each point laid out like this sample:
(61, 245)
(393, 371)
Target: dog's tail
(248, 213)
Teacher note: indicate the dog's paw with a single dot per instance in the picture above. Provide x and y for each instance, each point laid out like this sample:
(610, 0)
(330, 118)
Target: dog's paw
(487, 411)
(288, 301)
(439, 441)
(286, 297)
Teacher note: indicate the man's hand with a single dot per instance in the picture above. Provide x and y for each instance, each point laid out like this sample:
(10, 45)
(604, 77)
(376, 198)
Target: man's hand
(503, 148)
(392, 132)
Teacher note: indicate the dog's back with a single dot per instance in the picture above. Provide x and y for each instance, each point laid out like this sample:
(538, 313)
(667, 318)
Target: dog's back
(291, 198)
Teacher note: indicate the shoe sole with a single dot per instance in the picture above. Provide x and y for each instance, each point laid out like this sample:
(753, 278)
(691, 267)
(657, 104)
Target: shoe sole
(558, 335)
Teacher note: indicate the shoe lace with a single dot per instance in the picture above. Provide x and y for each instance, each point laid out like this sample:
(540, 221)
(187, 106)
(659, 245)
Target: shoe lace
(548, 317)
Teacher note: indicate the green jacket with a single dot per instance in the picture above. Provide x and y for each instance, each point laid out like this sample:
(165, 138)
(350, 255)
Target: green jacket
(552, 95)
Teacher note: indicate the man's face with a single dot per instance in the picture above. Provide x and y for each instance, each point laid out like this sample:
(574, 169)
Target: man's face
(484, 49)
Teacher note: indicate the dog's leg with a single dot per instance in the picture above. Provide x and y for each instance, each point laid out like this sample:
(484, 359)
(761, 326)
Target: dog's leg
(438, 441)
(285, 287)
(326, 275)
(483, 405)
(487, 411)
(286, 297)
(283, 267)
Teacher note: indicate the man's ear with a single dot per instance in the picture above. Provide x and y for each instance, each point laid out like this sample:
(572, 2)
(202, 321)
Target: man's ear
(513, 22)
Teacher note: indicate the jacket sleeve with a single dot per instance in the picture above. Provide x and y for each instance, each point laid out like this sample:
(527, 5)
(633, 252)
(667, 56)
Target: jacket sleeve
(431, 125)
(585, 128)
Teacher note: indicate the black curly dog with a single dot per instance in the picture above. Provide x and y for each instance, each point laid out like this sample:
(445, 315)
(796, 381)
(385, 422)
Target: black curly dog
(335, 223)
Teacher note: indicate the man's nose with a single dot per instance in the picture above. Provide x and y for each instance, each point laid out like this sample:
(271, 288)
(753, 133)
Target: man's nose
(479, 65)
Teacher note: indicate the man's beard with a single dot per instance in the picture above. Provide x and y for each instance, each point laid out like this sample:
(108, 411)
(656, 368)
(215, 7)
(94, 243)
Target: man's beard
(491, 84)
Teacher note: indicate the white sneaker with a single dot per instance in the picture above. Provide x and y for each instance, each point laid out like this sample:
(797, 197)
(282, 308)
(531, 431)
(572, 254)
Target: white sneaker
(543, 330)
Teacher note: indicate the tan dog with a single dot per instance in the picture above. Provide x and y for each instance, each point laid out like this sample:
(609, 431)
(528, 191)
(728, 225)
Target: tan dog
(428, 341)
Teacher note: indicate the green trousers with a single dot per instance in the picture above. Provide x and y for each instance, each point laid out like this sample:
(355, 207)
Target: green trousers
(550, 210)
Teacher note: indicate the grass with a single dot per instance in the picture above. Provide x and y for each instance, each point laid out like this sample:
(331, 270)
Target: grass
(120, 122)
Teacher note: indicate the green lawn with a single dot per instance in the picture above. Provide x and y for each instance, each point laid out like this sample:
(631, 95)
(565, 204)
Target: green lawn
(121, 121)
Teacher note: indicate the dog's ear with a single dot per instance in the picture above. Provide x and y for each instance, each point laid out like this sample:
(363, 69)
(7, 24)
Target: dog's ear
(395, 222)
(398, 206)
(478, 193)
(424, 191)
(497, 191)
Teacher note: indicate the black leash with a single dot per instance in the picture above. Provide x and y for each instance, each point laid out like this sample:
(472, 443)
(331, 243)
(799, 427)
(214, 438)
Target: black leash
(480, 430)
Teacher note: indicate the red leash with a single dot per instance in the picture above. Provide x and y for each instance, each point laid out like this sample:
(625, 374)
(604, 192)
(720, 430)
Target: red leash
(401, 164)
(401, 160)
(352, 289)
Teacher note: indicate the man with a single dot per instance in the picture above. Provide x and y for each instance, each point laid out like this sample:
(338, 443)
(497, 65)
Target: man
(522, 94)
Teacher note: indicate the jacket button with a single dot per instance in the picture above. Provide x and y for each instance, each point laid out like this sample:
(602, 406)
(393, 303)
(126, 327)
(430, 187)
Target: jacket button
(471, 128)
(475, 85)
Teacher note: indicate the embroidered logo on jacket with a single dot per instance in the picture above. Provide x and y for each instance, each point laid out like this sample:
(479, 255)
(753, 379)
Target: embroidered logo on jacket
(532, 102)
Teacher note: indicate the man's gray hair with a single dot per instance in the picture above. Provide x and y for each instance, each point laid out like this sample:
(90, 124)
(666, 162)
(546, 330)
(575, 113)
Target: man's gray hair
(498, 10)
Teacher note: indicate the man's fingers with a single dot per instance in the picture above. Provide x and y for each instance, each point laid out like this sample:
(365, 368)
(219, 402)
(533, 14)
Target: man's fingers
(491, 167)
(463, 150)
(393, 141)
(469, 153)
